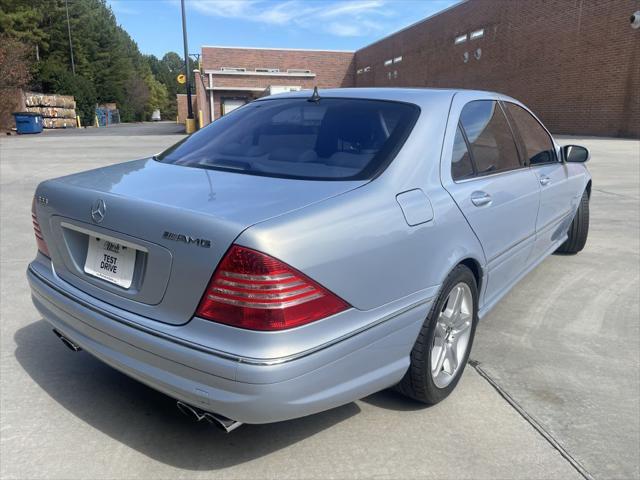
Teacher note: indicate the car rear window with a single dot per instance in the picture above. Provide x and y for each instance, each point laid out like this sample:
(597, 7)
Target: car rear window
(327, 139)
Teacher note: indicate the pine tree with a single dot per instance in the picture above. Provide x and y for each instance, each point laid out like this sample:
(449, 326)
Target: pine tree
(108, 64)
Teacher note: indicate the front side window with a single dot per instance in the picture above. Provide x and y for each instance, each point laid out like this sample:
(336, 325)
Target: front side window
(331, 139)
(537, 142)
(493, 148)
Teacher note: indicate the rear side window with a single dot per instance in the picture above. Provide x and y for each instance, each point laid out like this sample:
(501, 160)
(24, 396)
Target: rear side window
(331, 139)
(493, 148)
(461, 166)
(537, 142)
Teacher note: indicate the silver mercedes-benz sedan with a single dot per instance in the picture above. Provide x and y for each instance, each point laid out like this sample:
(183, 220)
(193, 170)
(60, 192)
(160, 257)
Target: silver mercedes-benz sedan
(307, 250)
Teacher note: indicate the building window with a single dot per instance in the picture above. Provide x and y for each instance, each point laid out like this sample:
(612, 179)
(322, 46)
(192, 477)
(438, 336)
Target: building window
(460, 39)
(389, 75)
(233, 69)
(477, 54)
(268, 70)
(476, 34)
(388, 62)
(395, 74)
(298, 70)
(397, 59)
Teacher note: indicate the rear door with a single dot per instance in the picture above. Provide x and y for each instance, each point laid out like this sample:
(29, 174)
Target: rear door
(497, 194)
(552, 174)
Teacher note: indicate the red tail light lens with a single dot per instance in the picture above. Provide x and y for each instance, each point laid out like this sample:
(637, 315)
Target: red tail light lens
(42, 246)
(255, 291)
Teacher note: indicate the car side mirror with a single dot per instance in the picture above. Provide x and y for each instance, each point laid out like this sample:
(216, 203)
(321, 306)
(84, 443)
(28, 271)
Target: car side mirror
(575, 154)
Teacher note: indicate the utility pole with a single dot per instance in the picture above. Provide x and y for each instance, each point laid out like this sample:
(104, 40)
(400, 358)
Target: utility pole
(73, 65)
(190, 123)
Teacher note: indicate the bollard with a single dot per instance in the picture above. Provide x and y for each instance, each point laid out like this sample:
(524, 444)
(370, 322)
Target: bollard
(190, 125)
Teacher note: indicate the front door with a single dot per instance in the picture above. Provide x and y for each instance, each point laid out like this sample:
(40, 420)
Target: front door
(555, 198)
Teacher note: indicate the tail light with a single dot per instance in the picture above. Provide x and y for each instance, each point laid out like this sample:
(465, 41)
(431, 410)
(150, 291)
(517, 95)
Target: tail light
(42, 246)
(255, 291)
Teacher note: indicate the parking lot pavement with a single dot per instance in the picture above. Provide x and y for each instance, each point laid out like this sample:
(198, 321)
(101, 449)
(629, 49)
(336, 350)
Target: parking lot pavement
(565, 343)
(120, 130)
(566, 337)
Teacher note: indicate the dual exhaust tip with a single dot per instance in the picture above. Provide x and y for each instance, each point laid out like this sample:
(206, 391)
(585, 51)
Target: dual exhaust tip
(195, 413)
(199, 415)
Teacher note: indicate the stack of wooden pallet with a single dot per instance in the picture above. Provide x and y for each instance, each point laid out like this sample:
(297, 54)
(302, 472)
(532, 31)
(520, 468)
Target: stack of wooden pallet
(58, 111)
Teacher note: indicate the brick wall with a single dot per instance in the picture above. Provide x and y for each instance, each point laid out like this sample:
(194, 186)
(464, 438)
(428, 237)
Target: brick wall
(181, 99)
(332, 69)
(201, 101)
(576, 63)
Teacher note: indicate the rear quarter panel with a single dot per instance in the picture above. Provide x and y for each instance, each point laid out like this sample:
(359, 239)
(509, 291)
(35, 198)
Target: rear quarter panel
(359, 244)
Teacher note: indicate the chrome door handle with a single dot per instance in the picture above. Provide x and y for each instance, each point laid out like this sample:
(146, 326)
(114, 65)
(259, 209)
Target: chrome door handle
(480, 199)
(544, 180)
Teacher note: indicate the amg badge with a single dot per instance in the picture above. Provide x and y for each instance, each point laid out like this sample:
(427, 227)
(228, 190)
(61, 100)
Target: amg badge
(179, 237)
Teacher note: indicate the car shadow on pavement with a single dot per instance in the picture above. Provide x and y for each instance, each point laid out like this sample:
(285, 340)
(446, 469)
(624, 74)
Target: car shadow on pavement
(392, 400)
(145, 419)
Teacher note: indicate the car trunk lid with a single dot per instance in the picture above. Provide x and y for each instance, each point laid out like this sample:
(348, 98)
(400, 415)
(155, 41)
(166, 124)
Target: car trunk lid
(179, 220)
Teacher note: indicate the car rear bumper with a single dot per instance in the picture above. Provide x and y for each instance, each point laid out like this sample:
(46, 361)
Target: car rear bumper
(279, 388)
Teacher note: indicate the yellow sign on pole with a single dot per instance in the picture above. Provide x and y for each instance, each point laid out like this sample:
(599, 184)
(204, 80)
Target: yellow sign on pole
(182, 79)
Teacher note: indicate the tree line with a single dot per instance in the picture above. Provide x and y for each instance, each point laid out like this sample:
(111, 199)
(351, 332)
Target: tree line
(109, 67)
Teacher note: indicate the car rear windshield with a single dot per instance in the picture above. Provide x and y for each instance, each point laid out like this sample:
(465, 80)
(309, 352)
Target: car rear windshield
(327, 139)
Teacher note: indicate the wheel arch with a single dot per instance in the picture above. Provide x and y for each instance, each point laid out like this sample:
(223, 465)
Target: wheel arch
(475, 267)
(588, 188)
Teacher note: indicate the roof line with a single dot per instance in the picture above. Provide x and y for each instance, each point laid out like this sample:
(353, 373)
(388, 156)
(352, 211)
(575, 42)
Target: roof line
(455, 5)
(273, 48)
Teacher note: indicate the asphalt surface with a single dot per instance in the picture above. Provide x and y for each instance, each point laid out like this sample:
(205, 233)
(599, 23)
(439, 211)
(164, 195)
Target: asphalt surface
(563, 348)
(120, 130)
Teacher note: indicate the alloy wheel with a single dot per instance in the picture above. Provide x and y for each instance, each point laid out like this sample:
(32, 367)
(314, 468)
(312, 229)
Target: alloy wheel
(452, 334)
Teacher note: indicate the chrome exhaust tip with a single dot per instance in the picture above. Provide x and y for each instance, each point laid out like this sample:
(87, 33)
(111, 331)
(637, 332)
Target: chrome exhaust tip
(68, 343)
(198, 415)
(222, 422)
(191, 412)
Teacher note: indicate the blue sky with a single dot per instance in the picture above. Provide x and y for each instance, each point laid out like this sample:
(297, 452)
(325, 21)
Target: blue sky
(330, 24)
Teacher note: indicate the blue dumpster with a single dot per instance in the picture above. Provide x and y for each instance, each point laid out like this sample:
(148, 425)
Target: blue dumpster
(28, 122)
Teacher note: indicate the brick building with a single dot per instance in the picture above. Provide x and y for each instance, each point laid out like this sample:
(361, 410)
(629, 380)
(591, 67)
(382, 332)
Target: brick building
(233, 76)
(576, 63)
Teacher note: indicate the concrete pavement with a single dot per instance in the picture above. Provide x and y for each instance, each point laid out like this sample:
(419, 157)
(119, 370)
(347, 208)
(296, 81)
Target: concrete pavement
(564, 345)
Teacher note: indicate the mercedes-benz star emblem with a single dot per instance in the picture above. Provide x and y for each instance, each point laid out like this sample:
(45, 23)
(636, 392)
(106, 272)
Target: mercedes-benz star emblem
(98, 211)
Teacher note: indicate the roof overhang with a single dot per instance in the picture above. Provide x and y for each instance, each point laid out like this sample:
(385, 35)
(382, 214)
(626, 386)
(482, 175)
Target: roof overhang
(237, 89)
(261, 74)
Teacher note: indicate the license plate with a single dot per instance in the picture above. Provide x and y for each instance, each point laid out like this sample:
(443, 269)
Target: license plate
(110, 261)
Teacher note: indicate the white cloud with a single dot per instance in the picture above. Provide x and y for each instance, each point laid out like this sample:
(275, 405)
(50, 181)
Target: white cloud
(357, 8)
(224, 8)
(121, 7)
(338, 17)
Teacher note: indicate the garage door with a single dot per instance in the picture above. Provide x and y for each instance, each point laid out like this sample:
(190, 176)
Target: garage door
(230, 104)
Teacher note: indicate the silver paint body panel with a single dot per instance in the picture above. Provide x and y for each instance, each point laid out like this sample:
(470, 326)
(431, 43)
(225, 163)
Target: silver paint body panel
(385, 246)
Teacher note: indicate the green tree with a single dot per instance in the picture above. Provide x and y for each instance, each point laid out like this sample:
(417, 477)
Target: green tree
(23, 21)
(15, 74)
(108, 64)
(55, 78)
(166, 71)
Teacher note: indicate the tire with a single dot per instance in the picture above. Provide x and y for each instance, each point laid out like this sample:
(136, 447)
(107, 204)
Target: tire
(579, 228)
(419, 382)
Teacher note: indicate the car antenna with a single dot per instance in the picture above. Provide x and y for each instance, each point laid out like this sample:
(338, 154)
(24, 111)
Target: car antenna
(315, 97)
